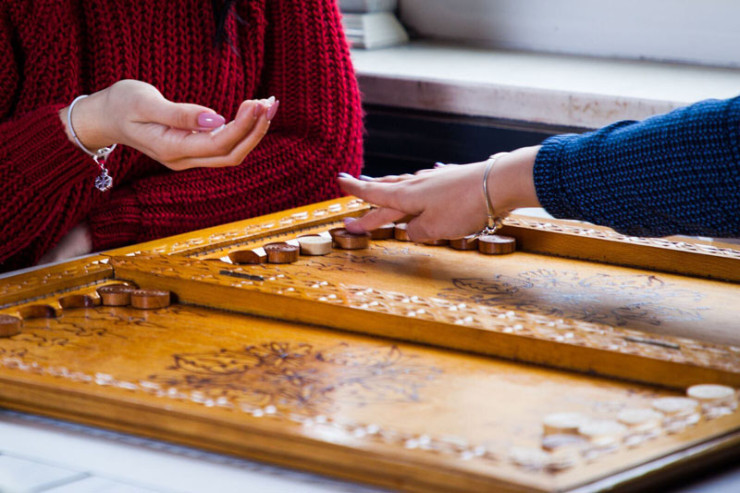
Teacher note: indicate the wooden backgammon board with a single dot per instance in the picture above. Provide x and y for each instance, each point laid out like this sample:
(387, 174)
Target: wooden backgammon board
(562, 366)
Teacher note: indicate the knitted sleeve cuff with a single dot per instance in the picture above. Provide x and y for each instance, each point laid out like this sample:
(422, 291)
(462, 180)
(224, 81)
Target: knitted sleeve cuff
(118, 222)
(547, 177)
(49, 158)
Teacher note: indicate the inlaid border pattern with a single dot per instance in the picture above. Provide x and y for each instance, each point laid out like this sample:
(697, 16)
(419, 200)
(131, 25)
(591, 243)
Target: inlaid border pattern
(252, 228)
(607, 234)
(48, 280)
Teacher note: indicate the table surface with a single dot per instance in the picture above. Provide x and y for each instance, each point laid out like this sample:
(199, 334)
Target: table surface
(96, 460)
(46, 455)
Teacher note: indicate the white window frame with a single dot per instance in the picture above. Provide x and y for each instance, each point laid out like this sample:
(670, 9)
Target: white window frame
(701, 32)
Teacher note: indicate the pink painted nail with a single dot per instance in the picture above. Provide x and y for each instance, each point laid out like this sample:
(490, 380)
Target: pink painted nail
(273, 109)
(210, 120)
(342, 174)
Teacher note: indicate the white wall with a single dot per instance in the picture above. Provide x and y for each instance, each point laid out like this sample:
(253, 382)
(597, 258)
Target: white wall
(692, 31)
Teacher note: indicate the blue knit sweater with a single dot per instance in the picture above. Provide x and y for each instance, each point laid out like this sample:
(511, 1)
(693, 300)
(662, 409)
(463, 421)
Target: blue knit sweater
(677, 173)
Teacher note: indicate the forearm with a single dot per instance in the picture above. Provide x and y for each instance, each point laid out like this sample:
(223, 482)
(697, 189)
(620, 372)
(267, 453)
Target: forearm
(511, 182)
(89, 122)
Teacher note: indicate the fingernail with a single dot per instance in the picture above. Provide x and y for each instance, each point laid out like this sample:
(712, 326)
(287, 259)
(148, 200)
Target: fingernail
(350, 224)
(273, 109)
(257, 110)
(210, 120)
(269, 101)
(366, 178)
(439, 165)
(342, 174)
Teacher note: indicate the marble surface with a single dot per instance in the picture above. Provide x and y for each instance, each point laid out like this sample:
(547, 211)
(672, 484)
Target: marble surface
(539, 88)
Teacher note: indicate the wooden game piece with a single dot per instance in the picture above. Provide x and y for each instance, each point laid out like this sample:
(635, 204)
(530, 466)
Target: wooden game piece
(9, 325)
(77, 301)
(225, 259)
(562, 460)
(251, 257)
(281, 253)
(676, 406)
(558, 441)
(715, 400)
(469, 242)
(400, 233)
(496, 244)
(37, 311)
(438, 242)
(150, 299)
(116, 294)
(530, 458)
(350, 241)
(562, 423)
(640, 419)
(385, 232)
(710, 393)
(315, 245)
(602, 433)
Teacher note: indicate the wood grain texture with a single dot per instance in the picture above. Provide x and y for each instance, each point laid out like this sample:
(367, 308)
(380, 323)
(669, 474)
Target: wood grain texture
(532, 309)
(589, 242)
(316, 399)
(368, 407)
(237, 233)
(58, 277)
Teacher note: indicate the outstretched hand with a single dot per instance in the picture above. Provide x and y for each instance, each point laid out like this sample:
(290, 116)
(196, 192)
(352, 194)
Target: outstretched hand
(178, 135)
(446, 202)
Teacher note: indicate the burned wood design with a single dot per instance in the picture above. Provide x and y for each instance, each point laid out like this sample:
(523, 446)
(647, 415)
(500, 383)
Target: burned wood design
(299, 376)
(643, 298)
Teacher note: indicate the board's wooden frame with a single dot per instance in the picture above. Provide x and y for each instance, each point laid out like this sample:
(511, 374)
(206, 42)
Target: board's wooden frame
(272, 441)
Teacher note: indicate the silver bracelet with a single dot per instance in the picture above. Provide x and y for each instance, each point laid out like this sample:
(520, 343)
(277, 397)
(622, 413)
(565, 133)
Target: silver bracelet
(104, 181)
(493, 222)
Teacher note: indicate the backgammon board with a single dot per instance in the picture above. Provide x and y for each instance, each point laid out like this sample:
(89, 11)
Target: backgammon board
(559, 367)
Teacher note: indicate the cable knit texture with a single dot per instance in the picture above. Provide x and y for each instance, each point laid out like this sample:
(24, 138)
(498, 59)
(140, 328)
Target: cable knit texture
(677, 173)
(52, 50)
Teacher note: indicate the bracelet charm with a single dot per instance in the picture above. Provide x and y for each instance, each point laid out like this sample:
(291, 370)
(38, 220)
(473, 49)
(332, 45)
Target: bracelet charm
(104, 181)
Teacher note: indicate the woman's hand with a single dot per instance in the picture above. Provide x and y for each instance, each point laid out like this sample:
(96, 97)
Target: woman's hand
(178, 135)
(447, 202)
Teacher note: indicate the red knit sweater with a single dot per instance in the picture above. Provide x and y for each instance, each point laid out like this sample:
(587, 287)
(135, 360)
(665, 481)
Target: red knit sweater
(52, 51)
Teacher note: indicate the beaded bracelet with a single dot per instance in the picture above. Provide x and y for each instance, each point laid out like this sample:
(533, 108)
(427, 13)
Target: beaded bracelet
(103, 182)
(493, 222)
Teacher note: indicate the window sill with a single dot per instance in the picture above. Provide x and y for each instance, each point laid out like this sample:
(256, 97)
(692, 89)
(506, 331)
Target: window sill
(563, 91)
